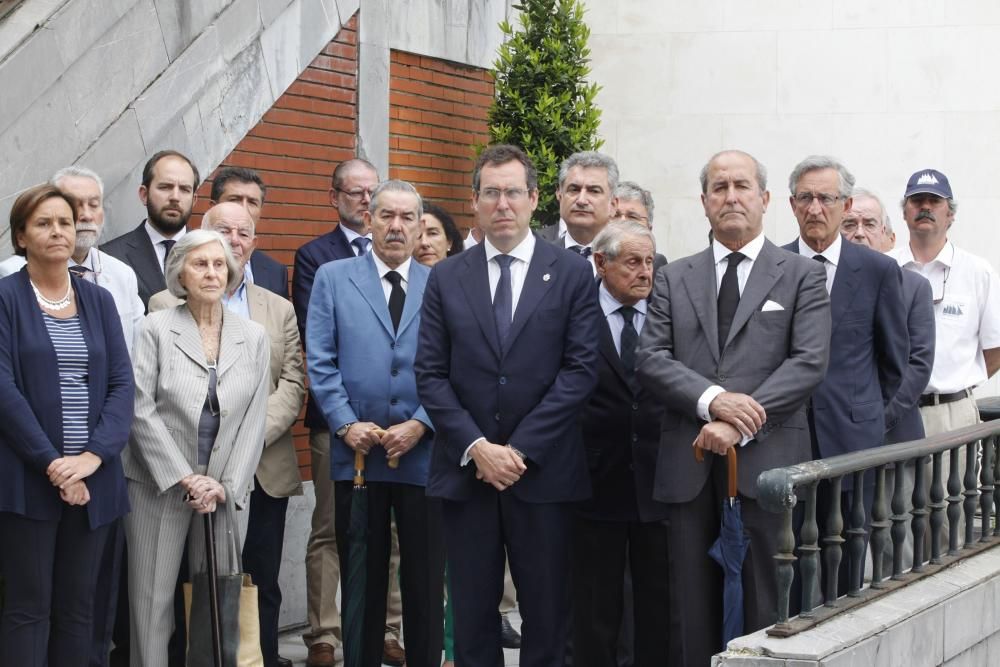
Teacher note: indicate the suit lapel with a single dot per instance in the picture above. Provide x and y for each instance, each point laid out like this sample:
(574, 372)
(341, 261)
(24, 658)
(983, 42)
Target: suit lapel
(475, 283)
(186, 337)
(143, 260)
(366, 279)
(414, 295)
(765, 273)
(700, 283)
(540, 278)
(257, 303)
(606, 345)
(845, 282)
(230, 342)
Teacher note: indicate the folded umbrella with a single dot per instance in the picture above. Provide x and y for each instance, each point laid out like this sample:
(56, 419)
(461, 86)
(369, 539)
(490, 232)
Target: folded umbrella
(357, 575)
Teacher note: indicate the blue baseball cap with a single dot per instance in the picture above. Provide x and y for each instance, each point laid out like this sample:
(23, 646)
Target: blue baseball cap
(928, 181)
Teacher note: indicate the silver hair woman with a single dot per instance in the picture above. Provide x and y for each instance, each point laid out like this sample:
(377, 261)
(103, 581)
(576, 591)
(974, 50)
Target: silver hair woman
(201, 398)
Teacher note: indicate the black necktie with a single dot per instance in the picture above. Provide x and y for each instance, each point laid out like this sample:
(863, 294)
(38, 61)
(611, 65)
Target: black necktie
(361, 244)
(581, 250)
(821, 259)
(168, 245)
(503, 311)
(79, 270)
(629, 339)
(396, 298)
(729, 297)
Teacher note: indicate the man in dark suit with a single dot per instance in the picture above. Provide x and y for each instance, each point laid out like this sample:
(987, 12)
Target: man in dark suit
(507, 358)
(736, 338)
(621, 428)
(245, 187)
(361, 339)
(586, 194)
(870, 343)
(350, 192)
(168, 191)
(867, 224)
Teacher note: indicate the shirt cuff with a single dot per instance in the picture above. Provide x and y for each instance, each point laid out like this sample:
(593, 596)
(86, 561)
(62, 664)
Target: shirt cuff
(466, 457)
(705, 400)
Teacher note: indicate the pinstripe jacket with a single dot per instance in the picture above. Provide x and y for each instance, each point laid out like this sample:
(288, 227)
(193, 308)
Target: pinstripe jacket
(171, 379)
(278, 470)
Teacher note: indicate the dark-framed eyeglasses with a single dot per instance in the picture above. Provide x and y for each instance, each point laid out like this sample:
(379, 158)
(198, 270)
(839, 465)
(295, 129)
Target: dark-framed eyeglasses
(360, 193)
(805, 199)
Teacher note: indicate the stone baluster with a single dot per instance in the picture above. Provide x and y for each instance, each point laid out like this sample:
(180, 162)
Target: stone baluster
(937, 509)
(832, 551)
(987, 487)
(899, 517)
(880, 527)
(856, 536)
(996, 487)
(971, 492)
(919, 523)
(784, 560)
(954, 500)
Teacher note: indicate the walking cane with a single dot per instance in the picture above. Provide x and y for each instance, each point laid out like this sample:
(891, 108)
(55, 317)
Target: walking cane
(213, 591)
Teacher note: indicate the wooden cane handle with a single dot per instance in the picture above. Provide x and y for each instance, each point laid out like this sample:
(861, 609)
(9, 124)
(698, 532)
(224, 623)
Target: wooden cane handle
(393, 463)
(359, 468)
(733, 476)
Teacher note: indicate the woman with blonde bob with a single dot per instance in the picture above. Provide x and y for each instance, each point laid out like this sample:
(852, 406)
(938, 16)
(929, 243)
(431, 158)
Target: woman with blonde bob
(201, 399)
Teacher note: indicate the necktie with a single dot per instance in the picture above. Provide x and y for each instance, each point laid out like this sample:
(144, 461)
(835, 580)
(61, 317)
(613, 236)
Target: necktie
(583, 251)
(503, 299)
(168, 245)
(396, 298)
(629, 339)
(729, 297)
(361, 245)
(80, 271)
(821, 259)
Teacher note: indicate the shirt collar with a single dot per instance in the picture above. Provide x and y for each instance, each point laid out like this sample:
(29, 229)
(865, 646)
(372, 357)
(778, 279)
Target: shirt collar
(751, 249)
(831, 254)
(570, 241)
(904, 256)
(351, 234)
(610, 304)
(88, 261)
(522, 251)
(156, 237)
(382, 268)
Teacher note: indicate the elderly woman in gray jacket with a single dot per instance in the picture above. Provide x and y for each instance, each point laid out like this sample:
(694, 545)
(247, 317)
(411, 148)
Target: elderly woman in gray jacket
(201, 400)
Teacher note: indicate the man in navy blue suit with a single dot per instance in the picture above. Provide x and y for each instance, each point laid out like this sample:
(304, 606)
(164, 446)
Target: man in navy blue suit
(350, 192)
(869, 342)
(506, 360)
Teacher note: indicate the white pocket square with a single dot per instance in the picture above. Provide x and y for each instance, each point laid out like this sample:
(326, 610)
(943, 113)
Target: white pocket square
(771, 305)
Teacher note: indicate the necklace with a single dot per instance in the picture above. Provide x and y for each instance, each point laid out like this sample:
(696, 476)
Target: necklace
(59, 304)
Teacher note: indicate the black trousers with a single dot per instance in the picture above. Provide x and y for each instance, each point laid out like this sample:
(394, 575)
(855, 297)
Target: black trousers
(536, 538)
(696, 579)
(600, 550)
(421, 568)
(111, 601)
(50, 575)
(262, 561)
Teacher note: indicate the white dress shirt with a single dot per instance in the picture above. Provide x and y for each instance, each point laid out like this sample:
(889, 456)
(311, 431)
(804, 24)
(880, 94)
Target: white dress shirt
(351, 235)
(616, 322)
(570, 242)
(157, 239)
(966, 293)
(382, 268)
(832, 256)
(118, 278)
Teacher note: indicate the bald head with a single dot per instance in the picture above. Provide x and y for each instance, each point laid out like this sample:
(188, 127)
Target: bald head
(234, 222)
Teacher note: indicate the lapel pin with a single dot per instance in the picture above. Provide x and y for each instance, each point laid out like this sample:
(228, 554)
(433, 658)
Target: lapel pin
(546, 277)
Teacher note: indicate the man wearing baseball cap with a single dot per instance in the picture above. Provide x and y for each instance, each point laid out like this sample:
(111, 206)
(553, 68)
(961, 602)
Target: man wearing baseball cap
(966, 295)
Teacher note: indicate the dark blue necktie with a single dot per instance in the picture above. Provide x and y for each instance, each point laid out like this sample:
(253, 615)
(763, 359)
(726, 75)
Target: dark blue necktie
(503, 299)
(583, 251)
(361, 243)
(628, 341)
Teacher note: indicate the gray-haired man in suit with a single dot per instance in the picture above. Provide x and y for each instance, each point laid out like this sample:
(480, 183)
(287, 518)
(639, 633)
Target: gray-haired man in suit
(736, 338)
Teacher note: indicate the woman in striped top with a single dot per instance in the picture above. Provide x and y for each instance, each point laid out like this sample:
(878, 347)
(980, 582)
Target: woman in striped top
(66, 386)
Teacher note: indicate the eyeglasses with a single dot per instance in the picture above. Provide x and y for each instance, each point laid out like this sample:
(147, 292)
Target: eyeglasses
(357, 194)
(850, 226)
(805, 199)
(944, 286)
(634, 217)
(513, 195)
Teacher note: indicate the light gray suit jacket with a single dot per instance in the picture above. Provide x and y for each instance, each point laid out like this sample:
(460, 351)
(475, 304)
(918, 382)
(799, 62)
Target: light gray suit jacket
(278, 470)
(777, 355)
(171, 379)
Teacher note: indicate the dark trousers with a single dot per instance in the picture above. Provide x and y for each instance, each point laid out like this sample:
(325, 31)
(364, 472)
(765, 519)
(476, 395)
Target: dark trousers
(536, 537)
(600, 550)
(262, 561)
(50, 574)
(421, 568)
(696, 579)
(111, 602)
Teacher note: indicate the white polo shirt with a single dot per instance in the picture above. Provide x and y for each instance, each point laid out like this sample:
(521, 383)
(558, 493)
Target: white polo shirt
(966, 292)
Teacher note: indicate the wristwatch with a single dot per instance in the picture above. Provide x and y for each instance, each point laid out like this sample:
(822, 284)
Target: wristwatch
(342, 431)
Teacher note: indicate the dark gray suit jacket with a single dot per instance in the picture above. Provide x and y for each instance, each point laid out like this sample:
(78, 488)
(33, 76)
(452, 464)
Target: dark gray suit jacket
(778, 356)
(902, 415)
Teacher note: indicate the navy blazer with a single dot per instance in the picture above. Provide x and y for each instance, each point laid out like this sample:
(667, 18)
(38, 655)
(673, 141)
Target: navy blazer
(621, 435)
(528, 394)
(360, 369)
(902, 417)
(269, 273)
(308, 258)
(869, 346)
(135, 249)
(31, 431)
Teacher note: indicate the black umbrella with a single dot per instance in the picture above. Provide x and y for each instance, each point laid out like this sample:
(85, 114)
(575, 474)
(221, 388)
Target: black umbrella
(213, 591)
(729, 551)
(357, 575)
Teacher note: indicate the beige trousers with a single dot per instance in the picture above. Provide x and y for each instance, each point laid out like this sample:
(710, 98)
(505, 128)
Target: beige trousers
(322, 561)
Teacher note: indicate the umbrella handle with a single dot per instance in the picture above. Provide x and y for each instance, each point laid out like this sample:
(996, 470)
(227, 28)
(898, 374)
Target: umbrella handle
(392, 463)
(359, 468)
(733, 475)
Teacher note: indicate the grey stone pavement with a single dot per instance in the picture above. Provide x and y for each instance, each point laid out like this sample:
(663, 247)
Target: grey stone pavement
(290, 646)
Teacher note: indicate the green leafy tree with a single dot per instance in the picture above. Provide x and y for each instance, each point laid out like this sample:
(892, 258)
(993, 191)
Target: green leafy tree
(543, 102)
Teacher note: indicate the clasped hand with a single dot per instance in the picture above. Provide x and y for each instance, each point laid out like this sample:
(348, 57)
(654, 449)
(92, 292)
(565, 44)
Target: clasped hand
(67, 470)
(397, 440)
(203, 493)
(739, 410)
(498, 465)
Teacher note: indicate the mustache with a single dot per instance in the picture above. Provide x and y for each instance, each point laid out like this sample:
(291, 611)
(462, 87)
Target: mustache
(395, 236)
(925, 215)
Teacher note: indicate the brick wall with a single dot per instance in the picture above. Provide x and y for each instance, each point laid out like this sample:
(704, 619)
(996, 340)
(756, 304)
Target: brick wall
(437, 114)
(294, 148)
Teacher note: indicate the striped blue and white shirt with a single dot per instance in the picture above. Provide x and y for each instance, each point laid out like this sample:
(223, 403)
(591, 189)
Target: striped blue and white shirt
(71, 353)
